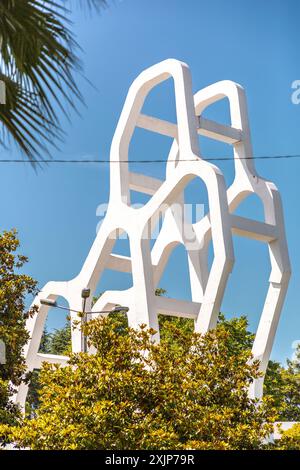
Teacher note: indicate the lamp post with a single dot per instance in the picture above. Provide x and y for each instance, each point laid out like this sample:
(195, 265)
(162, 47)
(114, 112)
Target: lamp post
(85, 294)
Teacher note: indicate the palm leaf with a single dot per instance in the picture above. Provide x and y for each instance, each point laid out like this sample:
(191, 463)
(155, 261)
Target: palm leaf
(38, 63)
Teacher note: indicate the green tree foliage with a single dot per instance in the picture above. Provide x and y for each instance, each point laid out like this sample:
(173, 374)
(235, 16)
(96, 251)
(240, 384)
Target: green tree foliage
(283, 384)
(274, 385)
(38, 64)
(134, 394)
(291, 376)
(14, 288)
(290, 439)
(57, 342)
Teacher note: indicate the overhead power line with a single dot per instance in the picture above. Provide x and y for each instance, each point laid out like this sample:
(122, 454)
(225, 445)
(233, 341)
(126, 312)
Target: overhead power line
(209, 159)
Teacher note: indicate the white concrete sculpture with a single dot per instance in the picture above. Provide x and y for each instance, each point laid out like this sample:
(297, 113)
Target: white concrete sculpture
(146, 265)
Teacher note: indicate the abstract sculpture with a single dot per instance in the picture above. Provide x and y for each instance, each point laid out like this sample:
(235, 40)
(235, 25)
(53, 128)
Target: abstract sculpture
(147, 266)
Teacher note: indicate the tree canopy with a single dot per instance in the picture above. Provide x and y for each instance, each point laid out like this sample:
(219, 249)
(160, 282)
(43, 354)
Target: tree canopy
(134, 394)
(14, 288)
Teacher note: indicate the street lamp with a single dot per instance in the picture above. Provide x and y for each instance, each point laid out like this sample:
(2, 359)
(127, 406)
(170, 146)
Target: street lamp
(54, 304)
(85, 294)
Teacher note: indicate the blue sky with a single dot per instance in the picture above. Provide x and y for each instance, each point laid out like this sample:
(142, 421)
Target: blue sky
(254, 43)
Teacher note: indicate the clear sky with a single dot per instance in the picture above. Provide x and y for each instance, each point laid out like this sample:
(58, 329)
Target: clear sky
(254, 43)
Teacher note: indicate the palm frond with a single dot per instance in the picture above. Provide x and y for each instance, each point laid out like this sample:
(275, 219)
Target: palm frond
(25, 122)
(38, 64)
